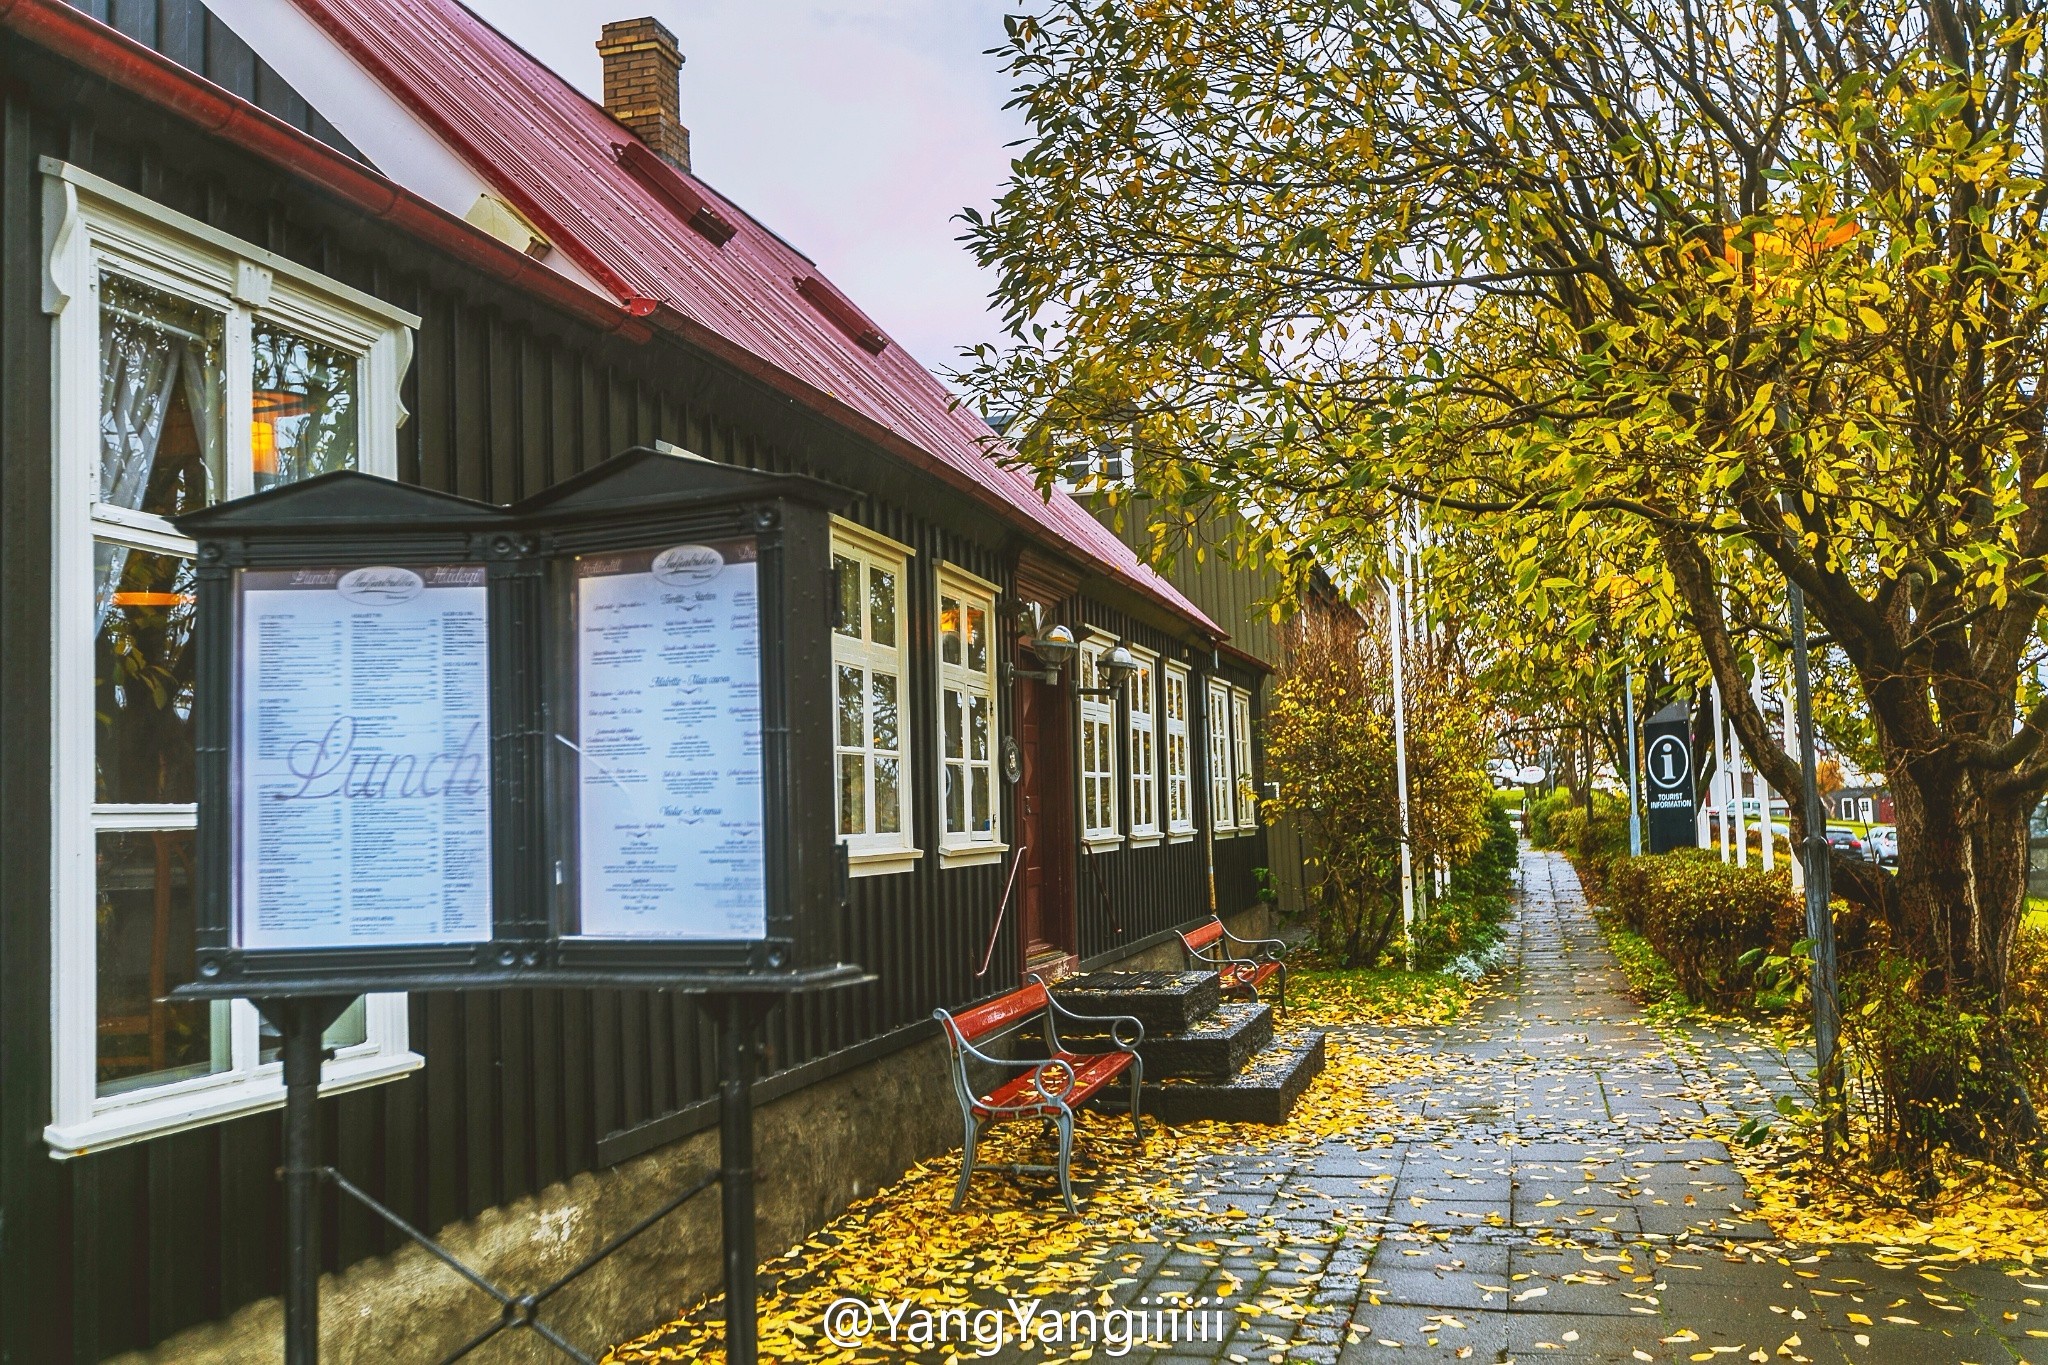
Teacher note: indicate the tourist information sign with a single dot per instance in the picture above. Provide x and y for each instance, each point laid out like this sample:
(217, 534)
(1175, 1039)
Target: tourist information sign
(1669, 779)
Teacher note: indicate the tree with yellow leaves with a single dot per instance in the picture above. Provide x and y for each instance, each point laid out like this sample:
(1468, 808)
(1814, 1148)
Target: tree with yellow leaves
(1752, 290)
(1329, 740)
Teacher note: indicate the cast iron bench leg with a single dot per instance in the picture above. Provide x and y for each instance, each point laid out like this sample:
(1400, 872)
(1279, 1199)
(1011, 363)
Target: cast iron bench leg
(1137, 1089)
(967, 1160)
(1066, 1126)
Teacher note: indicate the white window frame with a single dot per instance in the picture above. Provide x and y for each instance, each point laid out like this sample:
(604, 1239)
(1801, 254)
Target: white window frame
(1141, 737)
(876, 854)
(88, 223)
(1241, 760)
(1098, 734)
(968, 849)
(1180, 775)
(1216, 739)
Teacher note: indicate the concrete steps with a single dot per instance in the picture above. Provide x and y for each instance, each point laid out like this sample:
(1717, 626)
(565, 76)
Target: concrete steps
(1204, 1059)
(1263, 1092)
(1164, 1002)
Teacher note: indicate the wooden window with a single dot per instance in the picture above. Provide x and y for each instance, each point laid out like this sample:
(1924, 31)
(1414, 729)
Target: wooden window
(871, 696)
(969, 821)
(190, 368)
(1180, 794)
(1141, 694)
(1241, 758)
(1216, 727)
(1098, 750)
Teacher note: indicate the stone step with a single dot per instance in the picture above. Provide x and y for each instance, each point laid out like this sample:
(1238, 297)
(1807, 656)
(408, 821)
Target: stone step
(1164, 1002)
(1263, 1092)
(1213, 1048)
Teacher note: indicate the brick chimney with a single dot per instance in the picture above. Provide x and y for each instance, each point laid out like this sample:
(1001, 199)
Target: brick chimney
(642, 85)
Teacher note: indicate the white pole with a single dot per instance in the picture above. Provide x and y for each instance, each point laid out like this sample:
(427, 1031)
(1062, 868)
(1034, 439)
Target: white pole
(1735, 775)
(1397, 624)
(1635, 819)
(1720, 787)
(1763, 788)
(1797, 751)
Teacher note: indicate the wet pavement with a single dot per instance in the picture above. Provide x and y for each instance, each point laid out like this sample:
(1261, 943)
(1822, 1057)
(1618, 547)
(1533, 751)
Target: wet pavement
(1555, 1193)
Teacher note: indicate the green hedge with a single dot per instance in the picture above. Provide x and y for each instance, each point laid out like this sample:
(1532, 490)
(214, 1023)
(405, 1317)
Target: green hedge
(1702, 915)
(1593, 844)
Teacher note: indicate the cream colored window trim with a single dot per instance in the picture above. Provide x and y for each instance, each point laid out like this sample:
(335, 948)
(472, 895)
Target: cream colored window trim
(94, 230)
(874, 756)
(969, 714)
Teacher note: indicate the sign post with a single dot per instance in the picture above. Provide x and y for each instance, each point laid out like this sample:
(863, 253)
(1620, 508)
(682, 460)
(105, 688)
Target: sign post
(1669, 777)
(577, 742)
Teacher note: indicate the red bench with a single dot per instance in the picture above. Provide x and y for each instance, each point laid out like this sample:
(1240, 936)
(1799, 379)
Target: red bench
(1051, 1087)
(1214, 946)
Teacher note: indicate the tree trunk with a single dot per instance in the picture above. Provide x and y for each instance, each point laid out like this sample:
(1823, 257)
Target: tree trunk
(1962, 882)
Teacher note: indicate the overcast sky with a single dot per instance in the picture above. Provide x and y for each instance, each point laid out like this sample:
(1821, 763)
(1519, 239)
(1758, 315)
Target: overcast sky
(855, 128)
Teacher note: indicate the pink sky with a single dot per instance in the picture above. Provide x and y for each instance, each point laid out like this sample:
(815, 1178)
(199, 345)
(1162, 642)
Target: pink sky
(857, 129)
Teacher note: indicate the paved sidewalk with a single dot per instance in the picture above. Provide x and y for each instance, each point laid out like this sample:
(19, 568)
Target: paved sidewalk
(1556, 1196)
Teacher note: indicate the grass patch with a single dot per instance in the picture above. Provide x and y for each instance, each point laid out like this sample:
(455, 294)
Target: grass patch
(2037, 914)
(1376, 995)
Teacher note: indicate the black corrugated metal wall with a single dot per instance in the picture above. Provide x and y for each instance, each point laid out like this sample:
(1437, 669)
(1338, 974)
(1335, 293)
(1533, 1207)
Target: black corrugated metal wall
(119, 1249)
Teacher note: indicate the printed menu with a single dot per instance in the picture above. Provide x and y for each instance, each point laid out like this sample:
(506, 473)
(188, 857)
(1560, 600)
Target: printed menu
(669, 743)
(364, 783)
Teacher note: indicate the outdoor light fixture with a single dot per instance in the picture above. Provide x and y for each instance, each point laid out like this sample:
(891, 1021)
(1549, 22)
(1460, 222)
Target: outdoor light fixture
(1054, 646)
(1115, 668)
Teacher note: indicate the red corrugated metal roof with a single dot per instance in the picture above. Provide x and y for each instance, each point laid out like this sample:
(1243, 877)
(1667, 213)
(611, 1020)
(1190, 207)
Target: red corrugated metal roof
(548, 149)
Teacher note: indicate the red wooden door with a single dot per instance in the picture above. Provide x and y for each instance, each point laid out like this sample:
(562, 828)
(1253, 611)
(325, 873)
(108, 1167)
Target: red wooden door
(1045, 828)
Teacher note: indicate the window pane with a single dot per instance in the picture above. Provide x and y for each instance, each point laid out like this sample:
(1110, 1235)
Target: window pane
(145, 948)
(888, 800)
(982, 820)
(885, 712)
(853, 799)
(351, 1029)
(303, 406)
(949, 630)
(852, 719)
(846, 611)
(882, 606)
(977, 727)
(161, 400)
(956, 799)
(956, 745)
(142, 675)
(977, 639)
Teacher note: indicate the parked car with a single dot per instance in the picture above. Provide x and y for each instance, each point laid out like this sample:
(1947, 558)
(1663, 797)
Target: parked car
(1884, 845)
(1846, 839)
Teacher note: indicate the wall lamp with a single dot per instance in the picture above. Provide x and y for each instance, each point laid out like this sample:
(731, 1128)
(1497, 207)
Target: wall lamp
(1118, 667)
(1053, 645)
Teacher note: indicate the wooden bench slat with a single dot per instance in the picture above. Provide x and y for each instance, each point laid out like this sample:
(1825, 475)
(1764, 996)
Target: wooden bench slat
(1000, 1013)
(1092, 1071)
(1204, 936)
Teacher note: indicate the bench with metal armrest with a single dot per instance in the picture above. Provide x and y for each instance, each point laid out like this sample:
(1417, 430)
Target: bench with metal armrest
(1051, 1087)
(1242, 965)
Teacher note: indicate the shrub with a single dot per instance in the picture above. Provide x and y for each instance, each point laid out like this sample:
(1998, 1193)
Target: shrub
(1467, 920)
(1544, 809)
(1704, 917)
(1593, 844)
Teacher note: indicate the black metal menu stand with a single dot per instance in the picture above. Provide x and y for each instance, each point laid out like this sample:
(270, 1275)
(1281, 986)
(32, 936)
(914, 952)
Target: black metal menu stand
(443, 745)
